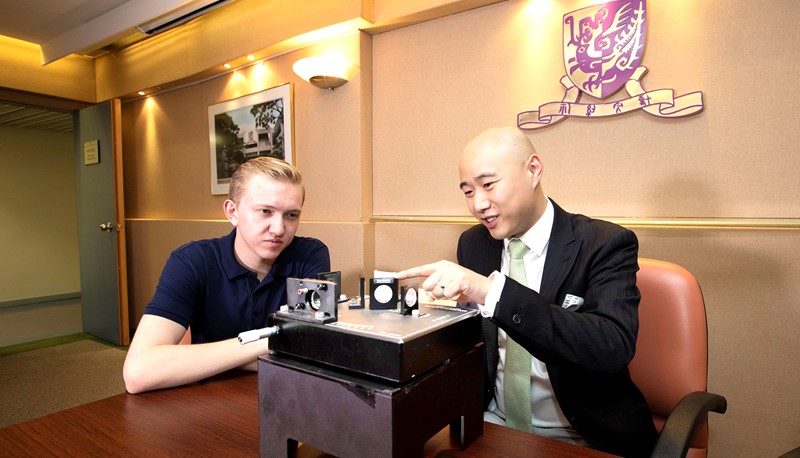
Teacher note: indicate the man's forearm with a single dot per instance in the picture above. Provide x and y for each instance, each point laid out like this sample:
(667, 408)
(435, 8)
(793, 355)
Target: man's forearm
(163, 366)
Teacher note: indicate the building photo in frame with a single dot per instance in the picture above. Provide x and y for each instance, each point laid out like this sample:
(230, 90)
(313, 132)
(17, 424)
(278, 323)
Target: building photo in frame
(251, 126)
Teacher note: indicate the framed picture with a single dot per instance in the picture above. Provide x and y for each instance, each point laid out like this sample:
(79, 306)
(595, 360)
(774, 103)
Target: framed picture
(247, 127)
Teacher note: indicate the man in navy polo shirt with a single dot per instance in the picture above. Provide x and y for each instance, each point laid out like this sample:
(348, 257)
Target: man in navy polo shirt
(221, 287)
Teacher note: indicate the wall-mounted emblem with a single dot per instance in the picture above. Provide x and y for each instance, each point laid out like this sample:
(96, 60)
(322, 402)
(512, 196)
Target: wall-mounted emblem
(603, 47)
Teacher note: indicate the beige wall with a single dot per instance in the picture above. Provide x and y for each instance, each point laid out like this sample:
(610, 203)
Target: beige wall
(41, 320)
(386, 144)
(39, 235)
(439, 83)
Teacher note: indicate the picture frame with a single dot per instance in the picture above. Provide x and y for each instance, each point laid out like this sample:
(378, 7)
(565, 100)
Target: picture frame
(259, 124)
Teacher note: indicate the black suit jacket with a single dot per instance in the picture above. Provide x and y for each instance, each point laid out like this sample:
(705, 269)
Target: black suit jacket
(587, 350)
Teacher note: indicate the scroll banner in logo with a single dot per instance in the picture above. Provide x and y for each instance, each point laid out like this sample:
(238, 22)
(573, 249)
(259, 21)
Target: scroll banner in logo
(603, 47)
(660, 102)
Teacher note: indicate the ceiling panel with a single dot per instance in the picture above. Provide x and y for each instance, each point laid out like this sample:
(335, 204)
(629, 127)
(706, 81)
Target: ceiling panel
(38, 21)
(29, 23)
(81, 10)
(34, 118)
(90, 27)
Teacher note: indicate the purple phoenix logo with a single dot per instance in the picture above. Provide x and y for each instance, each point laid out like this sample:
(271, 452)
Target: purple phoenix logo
(603, 45)
(603, 48)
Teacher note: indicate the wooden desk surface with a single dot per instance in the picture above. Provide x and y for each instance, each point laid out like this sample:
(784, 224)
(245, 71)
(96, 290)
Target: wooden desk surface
(218, 417)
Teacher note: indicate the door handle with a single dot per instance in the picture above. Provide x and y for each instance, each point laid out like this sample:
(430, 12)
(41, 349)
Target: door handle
(107, 227)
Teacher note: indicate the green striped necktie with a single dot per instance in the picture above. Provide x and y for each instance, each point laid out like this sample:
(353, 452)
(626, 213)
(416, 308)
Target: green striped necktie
(517, 375)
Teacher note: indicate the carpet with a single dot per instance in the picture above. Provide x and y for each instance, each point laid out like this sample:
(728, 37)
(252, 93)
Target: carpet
(39, 382)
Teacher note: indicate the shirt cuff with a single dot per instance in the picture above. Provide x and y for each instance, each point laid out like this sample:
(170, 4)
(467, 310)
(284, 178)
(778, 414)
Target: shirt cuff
(493, 295)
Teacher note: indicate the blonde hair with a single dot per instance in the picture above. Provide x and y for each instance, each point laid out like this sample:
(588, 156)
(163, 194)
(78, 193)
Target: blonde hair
(271, 167)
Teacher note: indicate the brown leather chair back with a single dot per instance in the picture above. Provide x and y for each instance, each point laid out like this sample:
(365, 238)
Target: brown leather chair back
(671, 358)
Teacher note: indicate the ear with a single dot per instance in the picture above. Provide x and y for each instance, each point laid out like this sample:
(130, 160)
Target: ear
(229, 207)
(535, 168)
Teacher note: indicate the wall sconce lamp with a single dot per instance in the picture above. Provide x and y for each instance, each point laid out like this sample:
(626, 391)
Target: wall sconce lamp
(326, 72)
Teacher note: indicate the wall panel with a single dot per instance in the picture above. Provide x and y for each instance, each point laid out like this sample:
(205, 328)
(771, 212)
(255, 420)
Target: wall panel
(439, 83)
(166, 144)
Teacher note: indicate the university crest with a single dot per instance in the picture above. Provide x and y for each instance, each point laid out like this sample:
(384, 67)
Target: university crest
(603, 47)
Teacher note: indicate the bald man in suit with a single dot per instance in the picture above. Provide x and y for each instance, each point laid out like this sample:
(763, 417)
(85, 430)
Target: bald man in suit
(574, 312)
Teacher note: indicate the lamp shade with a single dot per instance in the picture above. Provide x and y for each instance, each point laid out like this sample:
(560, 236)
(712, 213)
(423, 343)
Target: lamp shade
(327, 72)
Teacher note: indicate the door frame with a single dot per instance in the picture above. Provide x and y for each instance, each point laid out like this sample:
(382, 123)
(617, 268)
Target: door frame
(119, 220)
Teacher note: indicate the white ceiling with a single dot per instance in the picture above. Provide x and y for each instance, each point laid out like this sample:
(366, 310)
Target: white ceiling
(39, 21)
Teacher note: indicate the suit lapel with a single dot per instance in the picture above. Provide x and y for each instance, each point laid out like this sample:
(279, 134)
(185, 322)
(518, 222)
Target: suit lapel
(561, 254)
(494, 253)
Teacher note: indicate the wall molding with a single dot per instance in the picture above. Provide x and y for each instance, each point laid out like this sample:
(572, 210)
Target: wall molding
(660, 223)
(40, 299)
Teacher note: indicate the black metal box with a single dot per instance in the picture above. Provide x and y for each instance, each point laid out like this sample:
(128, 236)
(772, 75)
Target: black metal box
(381, 343)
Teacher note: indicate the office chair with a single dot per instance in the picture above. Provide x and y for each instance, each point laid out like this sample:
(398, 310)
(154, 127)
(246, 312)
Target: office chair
(671, 362)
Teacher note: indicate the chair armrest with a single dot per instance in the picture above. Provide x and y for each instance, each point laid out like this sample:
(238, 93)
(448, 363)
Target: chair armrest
(675, 436)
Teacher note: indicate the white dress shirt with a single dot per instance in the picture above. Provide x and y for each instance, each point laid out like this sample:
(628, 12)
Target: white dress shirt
(545, 408)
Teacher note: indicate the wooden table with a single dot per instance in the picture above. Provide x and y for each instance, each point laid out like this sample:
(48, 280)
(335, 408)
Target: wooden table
(218, 417)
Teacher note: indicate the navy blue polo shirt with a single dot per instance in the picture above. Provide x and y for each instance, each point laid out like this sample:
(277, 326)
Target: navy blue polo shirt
(203, 285)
